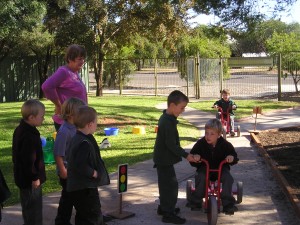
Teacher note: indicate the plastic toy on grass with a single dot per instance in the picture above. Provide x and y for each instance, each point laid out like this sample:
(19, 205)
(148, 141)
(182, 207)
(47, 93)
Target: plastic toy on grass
(105, 144)
(48, 151)
(213, 192)
(111, 131)
(138, 130)
(44, 141)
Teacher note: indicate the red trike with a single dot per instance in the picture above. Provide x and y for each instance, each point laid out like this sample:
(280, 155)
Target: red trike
(225, 120)
(212, 201)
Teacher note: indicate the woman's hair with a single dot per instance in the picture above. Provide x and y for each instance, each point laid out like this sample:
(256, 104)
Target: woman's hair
(70, 107)
(31, 107)
(84, 116)
(214, 124)
(74, 51)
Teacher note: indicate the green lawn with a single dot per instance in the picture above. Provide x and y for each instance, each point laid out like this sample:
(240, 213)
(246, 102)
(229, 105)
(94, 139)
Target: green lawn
(113, 111)
(123, 112)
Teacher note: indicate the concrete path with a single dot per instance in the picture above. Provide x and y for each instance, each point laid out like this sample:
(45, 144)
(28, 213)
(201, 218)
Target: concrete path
(263, 201)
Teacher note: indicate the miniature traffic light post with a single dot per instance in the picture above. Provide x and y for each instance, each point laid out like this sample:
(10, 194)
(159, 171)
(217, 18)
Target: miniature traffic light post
(122, 187)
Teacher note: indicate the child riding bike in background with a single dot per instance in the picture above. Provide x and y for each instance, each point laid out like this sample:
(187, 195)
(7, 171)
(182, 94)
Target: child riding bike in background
(227, 105)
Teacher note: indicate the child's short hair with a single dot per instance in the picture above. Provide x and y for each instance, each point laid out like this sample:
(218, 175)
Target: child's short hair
(177, 97)
(84, 116)
(214, 124)
(74, 51)
(70, 107)
(225, 91)
(31, 107)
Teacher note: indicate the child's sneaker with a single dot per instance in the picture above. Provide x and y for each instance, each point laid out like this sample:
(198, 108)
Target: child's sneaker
(194, 206)
(172, 218)
(230, 209)
(161, 212)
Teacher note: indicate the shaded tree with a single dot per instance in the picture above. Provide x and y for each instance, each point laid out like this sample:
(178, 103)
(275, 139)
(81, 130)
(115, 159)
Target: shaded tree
(110, 23)
(288, 45)
(16, 17)
(240, 14)
(254, 40)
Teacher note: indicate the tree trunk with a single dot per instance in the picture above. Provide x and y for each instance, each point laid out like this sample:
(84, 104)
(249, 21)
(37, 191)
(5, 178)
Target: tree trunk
(98, 69)
(43, 66)
(295, 76)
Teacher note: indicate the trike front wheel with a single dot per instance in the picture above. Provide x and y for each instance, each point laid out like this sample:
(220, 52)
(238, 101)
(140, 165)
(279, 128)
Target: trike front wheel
(212, 210)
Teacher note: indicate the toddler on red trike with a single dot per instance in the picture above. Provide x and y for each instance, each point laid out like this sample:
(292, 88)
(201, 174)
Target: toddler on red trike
(225, 113)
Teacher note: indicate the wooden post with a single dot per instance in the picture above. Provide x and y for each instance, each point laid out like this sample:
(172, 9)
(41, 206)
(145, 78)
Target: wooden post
(187, 77)
(221, 76)
(256, 110)
(279, 77)
(120, 77)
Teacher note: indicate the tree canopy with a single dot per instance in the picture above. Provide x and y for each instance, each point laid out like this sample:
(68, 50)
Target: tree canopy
(149, 27)
(241, 13)
(17, 17)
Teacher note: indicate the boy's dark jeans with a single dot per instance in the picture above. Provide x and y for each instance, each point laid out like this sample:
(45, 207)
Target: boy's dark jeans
(168, 188)
(32, 205)
(64, 211)
(226, 180)
(88, 207)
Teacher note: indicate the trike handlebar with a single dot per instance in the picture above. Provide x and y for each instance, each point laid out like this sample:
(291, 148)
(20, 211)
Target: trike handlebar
(207, 164)
(220, 109)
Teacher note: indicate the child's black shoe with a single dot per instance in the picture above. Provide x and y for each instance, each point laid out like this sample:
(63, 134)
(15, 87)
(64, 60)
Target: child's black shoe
(194, 206)
(230, 209)
(161, 212)
(172, 218)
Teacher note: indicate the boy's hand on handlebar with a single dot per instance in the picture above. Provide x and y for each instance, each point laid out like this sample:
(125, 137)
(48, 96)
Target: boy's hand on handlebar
(197, 158)
(229, 159)
(193, 158)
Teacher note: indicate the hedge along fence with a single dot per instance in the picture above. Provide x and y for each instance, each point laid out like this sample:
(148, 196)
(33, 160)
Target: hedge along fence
(19, 78)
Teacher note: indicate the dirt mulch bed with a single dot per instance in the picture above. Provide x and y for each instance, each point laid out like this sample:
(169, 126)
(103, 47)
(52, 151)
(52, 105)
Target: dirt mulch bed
(281, 148)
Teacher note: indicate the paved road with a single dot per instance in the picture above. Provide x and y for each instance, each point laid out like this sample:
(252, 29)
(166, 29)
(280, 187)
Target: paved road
(263, 201)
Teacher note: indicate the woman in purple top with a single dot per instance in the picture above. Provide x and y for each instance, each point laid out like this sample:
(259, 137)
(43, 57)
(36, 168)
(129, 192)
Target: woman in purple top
(66, 82)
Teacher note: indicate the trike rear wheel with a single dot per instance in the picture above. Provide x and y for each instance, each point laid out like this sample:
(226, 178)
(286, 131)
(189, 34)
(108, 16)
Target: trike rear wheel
(224, 133)
(239, 193)
(238, 131)
(189, 186)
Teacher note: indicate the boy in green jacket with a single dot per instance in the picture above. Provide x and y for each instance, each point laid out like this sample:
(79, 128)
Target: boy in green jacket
(167, 152)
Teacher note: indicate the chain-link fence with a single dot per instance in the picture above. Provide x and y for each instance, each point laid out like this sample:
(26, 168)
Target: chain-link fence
(196, 77)
(146, 77)
(205, 78)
